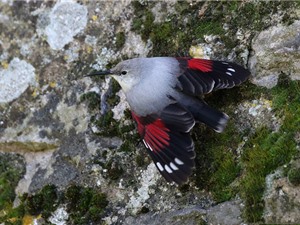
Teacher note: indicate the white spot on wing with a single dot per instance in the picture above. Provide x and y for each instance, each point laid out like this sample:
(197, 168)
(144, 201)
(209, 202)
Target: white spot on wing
(178, 161)
(160, 167)
(168, 169)
(231, 69)
(212, 86)
(147, 146)
(173, 166)
(228, 73)
(150, 148)
(145, 143)
(226, 63)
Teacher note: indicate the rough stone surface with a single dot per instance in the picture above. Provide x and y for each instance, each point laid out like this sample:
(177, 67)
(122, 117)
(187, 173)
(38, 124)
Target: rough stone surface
(250, 115)
(59, 217)
(67, 19)
(226, 213)
(15, 79)
(275, 51)
(281, 199)
(66, 129)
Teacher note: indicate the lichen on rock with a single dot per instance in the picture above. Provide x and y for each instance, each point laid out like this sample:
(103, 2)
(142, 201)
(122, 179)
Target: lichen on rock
(66, 19)
(73, 154)
(276, 51)
(15, 79)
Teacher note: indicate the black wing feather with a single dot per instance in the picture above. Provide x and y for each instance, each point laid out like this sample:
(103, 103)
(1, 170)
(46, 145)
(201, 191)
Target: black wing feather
(203, 80)
(173, 150)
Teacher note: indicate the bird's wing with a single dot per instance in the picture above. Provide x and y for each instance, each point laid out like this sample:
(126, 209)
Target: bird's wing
(201, 76)
(166, 137)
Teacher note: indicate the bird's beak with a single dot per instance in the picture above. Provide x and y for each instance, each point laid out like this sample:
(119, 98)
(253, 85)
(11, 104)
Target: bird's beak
(99, 73)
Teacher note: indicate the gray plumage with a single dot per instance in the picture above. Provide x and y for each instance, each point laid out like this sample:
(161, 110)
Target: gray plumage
(165, 96)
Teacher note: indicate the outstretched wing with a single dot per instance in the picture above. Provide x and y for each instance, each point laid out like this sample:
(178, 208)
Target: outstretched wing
(166, 137)
(201, 76)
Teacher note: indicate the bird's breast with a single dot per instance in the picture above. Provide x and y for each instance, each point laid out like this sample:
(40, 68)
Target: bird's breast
(149, 100)
(152, 93)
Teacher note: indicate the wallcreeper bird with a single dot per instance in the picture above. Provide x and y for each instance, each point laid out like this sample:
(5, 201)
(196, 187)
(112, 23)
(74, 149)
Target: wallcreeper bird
(164, 94)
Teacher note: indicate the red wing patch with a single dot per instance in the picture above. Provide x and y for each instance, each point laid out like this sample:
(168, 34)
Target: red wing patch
(203, 65)
(153, 131)
(167, 140)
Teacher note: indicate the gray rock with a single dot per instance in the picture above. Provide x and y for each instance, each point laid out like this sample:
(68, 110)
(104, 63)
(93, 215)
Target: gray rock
(226, 213)
(282, 203)
(222, 214)
(45, 50)
(66, 20)
(275, 51)
(250, 115)
(15, 79)
(187, 216)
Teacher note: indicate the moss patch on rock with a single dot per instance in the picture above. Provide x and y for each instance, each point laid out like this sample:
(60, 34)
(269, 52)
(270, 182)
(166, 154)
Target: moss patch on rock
(84, 205)
(44, 202)
(294, 176)
(190, 22)
(267, 150)
(225, 172)
(12, 168)
(92, 100)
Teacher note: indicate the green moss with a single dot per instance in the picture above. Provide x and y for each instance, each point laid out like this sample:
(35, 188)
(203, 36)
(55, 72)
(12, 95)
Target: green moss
(258, 15)
(185, 27)
(147, 25)
(106, 125)
(137, 24)
(294, 176)
(85, 205)
(140, 160)
(92, 99)
(120, 39)
(266, 150)
(11, 171)
(217, 166)
(114, 172)
(143, 21)
(113, 99)
(44, 202)
(226, 171)
(213, 27)
(127, 146)
(13, 214)
(8, 180)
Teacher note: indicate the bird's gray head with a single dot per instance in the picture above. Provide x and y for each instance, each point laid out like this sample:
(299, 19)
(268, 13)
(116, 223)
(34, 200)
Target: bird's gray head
(127, 73)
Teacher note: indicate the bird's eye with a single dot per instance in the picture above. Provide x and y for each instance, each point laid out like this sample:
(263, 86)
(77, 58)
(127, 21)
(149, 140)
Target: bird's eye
(124, 72)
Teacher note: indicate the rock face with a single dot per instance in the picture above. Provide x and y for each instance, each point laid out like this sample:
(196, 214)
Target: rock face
(276, 51)
(282, 199)
(15, 79)
(67, 19)
(69, 151)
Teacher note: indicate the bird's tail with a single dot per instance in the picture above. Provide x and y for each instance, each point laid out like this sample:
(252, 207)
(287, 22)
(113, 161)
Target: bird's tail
(204, 113)
(211, 117)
